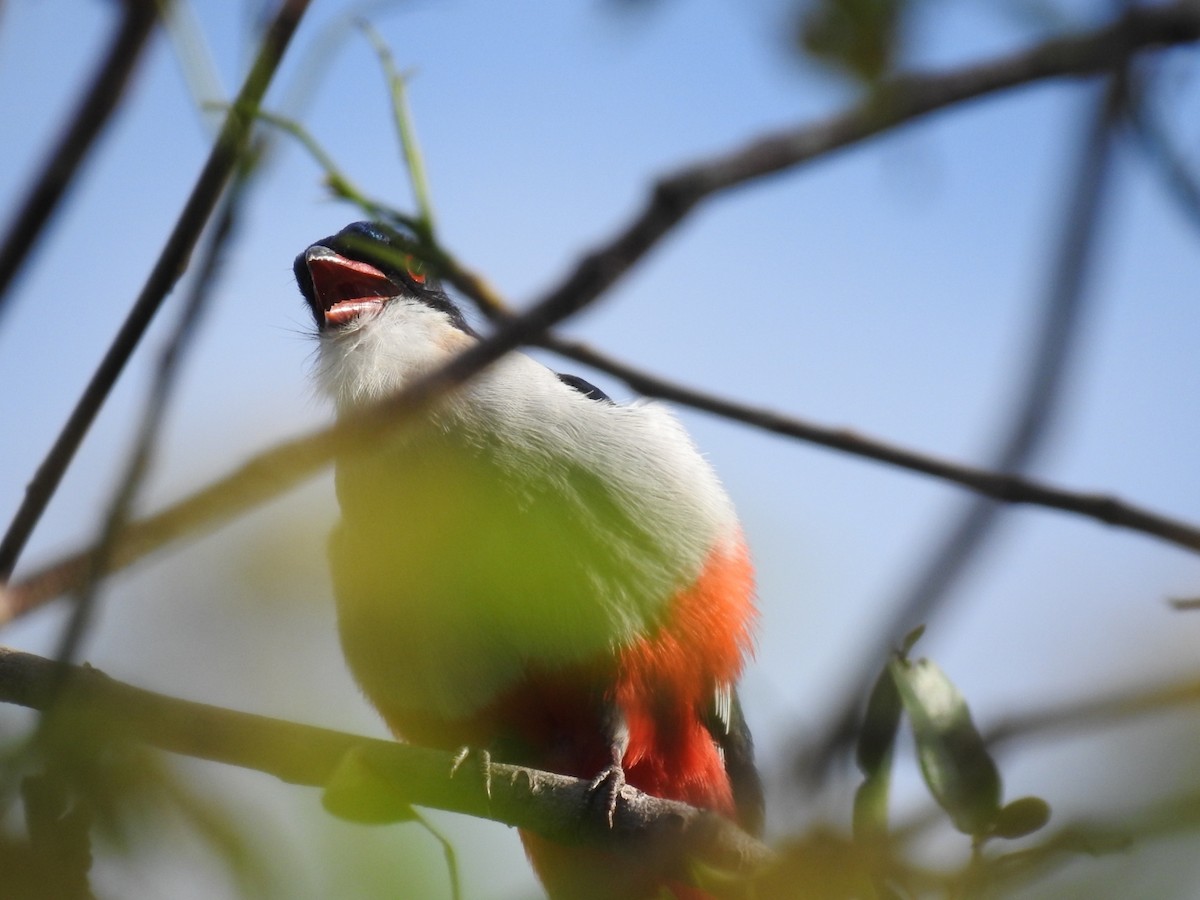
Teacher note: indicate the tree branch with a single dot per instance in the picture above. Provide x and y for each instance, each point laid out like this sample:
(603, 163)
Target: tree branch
(997, 485)
(1183, 185)
(86, 123)
(226, 153)
(1096, 712)
(557, 807)
(897, 100)
(275, 471)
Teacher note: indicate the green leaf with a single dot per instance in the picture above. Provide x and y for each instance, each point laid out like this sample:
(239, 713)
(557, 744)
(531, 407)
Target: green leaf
(956, 765)
(1021, 817)
(358, 793)
(910, 641)
(859, 37)
(881, 721)
(871, 805)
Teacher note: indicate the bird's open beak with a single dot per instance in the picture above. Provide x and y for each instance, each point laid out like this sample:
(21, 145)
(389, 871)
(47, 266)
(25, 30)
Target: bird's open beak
(344, 289)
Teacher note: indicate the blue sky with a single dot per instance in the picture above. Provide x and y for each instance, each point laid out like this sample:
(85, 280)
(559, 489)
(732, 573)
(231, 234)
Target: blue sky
(888, 288)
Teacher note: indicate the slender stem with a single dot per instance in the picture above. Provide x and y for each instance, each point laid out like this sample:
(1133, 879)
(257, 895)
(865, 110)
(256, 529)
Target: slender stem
(553, 805)
(226, 153)
(413, 160)
(86, 123)
(141, 456)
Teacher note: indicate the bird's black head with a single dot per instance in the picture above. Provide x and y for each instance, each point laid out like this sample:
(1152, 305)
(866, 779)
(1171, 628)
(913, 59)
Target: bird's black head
(357, 271)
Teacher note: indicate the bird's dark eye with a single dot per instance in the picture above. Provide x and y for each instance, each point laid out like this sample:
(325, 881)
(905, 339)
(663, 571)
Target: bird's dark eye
(383, 247)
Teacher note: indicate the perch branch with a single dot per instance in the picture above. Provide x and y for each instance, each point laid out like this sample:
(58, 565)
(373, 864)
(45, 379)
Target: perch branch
(556, 806)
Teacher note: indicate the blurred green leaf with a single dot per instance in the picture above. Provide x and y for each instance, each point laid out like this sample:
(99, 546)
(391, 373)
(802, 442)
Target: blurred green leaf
(858, 37)
(357, 793)
(819, 864)
(59, 835)
(957, 767)
(874, 755)
(871, 805)
(1021, 817)
(880, 724)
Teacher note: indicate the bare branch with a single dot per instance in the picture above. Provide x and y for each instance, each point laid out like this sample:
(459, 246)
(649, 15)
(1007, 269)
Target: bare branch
(911, 96)
(141, 455)
(1095, 712)
(63, 162)
(555, 806)
(997, 485)
(226, 153)
(1183, 184)
(277, 470)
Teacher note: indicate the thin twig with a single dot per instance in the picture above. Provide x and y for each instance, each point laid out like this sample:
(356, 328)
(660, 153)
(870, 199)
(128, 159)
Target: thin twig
(555, 806)
(339, 183)
(1183, 184)
(414, 163)
(225, 155)
(448, 853)
(86, 123)
(1096, 712)
(140, 458)
(1000, 486)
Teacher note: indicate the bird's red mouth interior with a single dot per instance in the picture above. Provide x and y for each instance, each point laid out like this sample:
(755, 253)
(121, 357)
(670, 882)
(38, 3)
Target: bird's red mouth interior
(347, 289)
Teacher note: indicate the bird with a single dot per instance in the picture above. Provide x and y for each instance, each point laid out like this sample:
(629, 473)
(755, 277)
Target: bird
(530, 568)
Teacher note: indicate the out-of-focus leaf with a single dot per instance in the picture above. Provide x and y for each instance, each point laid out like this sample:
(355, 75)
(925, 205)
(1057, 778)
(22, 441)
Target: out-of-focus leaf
(818, 864)
(880, 724)
(1021, 817)
(874, 754)
(910, 641)
(59, 834)
(871, 804)
(857, 36)
(357, 793)
(125, 793)
(957, 767)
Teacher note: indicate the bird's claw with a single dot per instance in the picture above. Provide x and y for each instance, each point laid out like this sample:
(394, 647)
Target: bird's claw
(485, 766)
(611, 779)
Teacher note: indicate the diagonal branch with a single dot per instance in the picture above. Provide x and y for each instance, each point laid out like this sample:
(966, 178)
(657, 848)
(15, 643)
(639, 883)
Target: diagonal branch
(897, 100)
(1108, 710)
(145, 444)
(1001, 486)
(271, 473)
(226, 153)
(1183, 184)
(63, 162)
(555, 806)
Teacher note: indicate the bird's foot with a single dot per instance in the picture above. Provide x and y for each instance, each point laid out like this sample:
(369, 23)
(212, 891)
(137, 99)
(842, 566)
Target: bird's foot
(485, 766)
(606, 787)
